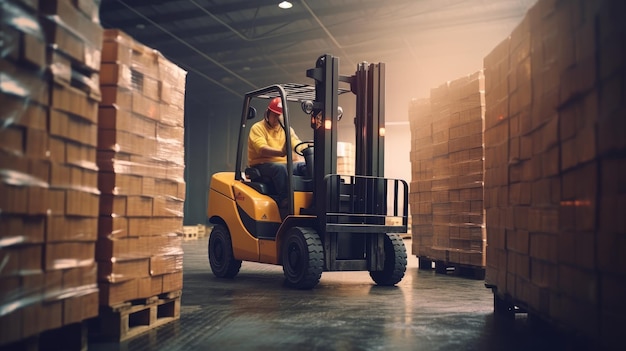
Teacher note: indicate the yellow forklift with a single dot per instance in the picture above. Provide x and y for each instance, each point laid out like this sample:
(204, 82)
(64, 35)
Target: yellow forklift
(333, 222)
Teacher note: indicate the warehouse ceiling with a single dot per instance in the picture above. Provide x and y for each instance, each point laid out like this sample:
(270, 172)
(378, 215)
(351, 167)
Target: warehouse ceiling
(230, 47)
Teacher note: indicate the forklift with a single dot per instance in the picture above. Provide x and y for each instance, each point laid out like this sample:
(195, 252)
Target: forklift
(333, 222)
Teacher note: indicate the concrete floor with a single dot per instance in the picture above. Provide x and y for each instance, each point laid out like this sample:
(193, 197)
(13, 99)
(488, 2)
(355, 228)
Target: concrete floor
(254, 311)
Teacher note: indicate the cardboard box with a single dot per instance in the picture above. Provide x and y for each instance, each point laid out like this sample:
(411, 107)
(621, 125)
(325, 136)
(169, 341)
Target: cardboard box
(119, 184)
(24, 47)
(144, 287)
(126, 205)
(171, 74)
(65, 125)
(65, 228)
(64, 255)
(81, 203)
(65, 71)
(173, 282)
(78, 280)
(109, 248)
(172, 115)
(29, 84)
(11, 327)
(154, 226)
(13, 140)
(71, 42)
(156, 285)
(72, 100)
(117, 51)
(176, 135)
(122, 270)
(145, 106)
(115, 293)
(166, 264)
(113, 205)
(116, 118)
(82, 25)
(22, 112)
(166, 245)
(22, 229)
(118, 96)
(140, 247)
(116, 74)
(112, 227)
(182, 190)
(22, 259)
(147, 86)
(80, 306)
(82, 156)
(129, 143)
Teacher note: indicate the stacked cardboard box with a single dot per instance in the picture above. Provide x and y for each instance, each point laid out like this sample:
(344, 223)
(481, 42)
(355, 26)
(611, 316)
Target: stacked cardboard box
(554, 145)
(345, 158)
(141, 160)
(447, 161)
(420, 190)
(48, 175)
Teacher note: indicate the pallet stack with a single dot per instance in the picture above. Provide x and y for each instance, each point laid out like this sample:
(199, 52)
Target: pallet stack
(141, 160)
(420, 190)
(345, 158)
(447, 186)
(555, 158)
(48, 174)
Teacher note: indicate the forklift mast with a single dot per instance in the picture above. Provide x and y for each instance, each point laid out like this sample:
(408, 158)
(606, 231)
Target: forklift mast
(368, 84)
(347, 207)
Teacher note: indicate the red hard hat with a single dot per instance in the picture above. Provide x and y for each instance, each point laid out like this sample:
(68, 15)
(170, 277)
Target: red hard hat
(276, 106)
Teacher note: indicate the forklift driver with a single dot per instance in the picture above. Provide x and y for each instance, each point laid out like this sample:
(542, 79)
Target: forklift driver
(266, 150)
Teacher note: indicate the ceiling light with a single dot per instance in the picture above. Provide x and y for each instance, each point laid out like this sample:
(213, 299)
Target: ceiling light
(285, 5)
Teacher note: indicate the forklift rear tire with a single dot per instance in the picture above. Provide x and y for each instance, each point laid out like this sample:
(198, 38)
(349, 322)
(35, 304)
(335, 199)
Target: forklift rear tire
(303, 258)
(395, 262)
(221, 258)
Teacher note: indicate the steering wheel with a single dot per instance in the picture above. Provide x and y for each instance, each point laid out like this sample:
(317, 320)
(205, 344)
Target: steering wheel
(309, 144)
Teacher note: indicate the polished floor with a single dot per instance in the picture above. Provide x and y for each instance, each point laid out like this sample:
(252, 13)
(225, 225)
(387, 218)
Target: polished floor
(254, 311)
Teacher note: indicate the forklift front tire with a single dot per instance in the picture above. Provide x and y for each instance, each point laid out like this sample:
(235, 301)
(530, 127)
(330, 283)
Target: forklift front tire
(221, 258)
(303, 258)
(395, 262)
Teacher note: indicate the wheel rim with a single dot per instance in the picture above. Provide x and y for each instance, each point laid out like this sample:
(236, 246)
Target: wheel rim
(295, 257)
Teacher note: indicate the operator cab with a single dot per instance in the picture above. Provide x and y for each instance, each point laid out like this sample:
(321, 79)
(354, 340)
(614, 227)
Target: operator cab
(264, 185)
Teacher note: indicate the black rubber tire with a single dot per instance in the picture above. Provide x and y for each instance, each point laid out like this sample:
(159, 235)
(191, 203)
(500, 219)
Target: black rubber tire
(303, 258)
(220, 250)
(395, 262)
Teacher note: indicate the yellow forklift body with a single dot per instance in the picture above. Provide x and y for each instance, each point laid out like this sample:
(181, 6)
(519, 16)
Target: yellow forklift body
(223, 205)
(256, 205)
(230, 196)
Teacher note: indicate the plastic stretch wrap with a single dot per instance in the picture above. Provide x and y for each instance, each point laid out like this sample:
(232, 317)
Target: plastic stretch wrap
(141, 162)
(48, 173)
(25, 290)
(447, 167)
(21, 80)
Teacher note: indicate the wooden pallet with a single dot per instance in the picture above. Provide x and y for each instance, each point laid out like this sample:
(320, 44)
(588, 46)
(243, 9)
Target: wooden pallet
(132, 318)
(190, 232)
(451, 268)
(71, 337)
(202, 230)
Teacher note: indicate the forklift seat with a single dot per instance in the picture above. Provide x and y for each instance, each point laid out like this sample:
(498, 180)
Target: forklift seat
(258, 182)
